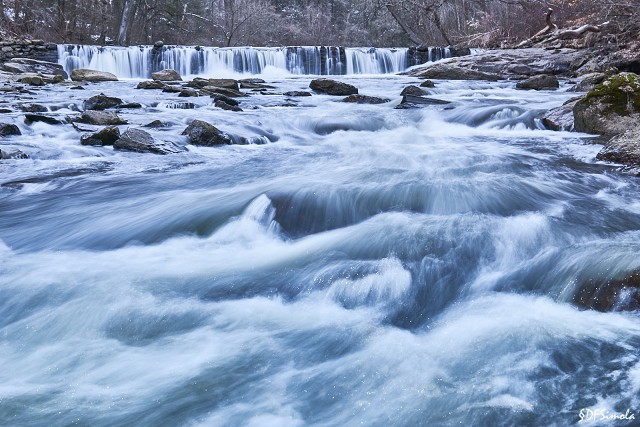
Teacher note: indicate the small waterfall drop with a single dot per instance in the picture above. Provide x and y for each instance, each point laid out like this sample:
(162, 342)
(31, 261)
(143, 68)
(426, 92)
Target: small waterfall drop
(141, 61)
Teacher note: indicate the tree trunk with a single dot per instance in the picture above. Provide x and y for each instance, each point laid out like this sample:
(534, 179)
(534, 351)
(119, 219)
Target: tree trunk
(413, 36)
(124, 22)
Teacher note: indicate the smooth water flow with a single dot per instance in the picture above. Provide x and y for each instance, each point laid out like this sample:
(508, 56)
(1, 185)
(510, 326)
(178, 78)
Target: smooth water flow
(371, 266)
(141, 61)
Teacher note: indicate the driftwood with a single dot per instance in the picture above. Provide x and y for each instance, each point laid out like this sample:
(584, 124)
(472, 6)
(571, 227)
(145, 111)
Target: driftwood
(552, 33)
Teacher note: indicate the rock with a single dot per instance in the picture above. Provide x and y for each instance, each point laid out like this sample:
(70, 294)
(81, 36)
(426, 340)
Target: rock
(588, 82)
(7, 129)
(610, 108)
(223, 105)
(296, 93)
(31, 118)
(364, 99)
(5, 110)
(51, 78)
(106, 136)
(172, 89)
(32, 80)
(252, 81)
(151, 84)
(203, 133)
(610, 294)
(413, 90)
(539, 83)
(104, 118)
(225, 99)
(333, 87)
(427, 83)
(413, 101)
(158, 44)
(244, 84)
(188, 92)
(560, 118)
(156, 124)
(449, 71)
(33, 108)
(130, 105)
(180, 105)
(101, 102)
(84, 74)
(140, 141)
(215, 90)
(27, 65)
(11, 155)
(77, 87)
(623, 148)
(199, 82)
(167, 75)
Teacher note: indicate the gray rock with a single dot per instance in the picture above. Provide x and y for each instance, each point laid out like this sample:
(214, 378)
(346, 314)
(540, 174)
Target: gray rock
(539, 83)
(223, 105)
(156, 124)
(28, 65)
(151, 84)
(167, 75)
(11, 155)
(106, 136)
(203, 133)
(216, 90)
(588, 82)
(623, 148)
(32, 80)
(172, 89)
(297, 93)
(31, 118)
(101, 102)
(453, 72)
(101, 118)
(7, 129)
(364, 99)
(140, 141)
(84, 74)
(188, 92)
(225, 99)
(427, 83)
(610, 293)
(413, 90)
(199, 82)
(33, 108)
(560, 118)
(333, 87)
(181, 105)
(413, 101)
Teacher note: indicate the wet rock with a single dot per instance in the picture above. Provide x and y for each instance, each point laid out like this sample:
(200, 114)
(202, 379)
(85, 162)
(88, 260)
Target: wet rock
(32, 108)
(31, 118)
(427, 83)
(158, 44)
(167, 75)
(413, 90)
(296, 93)
(106, 136)
(244, 84)
(151, 84)
(188, 92)
(5, 110)
(203, 133)
(215, 90)
(180, 105)
(449, 71)
(333, 87)
(32, 80)
(413, 101)
(623, 148)
(11, 155)
(101, 102)
(223, 105)
(140, 141)
(199, 82)
(172, 89)
(560, 118)
(610, 108)
(77, 88)
(130, 105)
(7, 129)
(252, 81)
(84, 74)
(364, 99)
(588, 82)
(225, 99)
(156, 124)
(610, 295)
(539, 83)
(104, 118)
(28, 65)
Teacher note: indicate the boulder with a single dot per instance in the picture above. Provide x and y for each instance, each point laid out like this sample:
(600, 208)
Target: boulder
(140, 141)
(296, 93)
(151, 84)
(449, 71)
(103, 118)
(167, 75)
(333, 87)
(101, 102)
(610, 108)
(539, 83)
(31, 118)
(215, 90)
(588, 82)
(33, 108)
(130, 105)
(155, 124)
(623, 148)
(560, 118)
(10, 155)
(427, 83)
(199, 82)
(225, 99)
(84, 74)
(188, 92)
(203, 133)
(413, 101)
(106, 136)
(223, 105)
(7, 129)
(27, 65)
(364, 99)
(413, 90)
(32, 80)
(172, 89)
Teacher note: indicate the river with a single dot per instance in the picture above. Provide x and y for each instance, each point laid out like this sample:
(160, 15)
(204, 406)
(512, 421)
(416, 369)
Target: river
(373, 266)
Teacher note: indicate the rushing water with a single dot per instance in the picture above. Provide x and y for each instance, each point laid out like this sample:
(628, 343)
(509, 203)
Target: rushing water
(373, 266)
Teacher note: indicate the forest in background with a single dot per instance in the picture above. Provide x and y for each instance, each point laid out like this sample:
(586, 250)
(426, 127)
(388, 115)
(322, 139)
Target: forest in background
(482, 23)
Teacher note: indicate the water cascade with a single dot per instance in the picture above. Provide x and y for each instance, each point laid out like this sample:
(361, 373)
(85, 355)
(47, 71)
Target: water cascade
(141, 61)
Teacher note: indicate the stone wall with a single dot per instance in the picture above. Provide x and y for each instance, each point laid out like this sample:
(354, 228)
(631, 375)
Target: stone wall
(32, 49)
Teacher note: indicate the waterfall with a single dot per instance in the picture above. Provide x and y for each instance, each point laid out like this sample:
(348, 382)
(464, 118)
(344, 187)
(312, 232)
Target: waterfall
(141, 61)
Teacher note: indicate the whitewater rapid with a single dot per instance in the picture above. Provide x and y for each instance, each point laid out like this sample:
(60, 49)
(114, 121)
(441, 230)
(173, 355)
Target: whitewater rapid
(373, 266)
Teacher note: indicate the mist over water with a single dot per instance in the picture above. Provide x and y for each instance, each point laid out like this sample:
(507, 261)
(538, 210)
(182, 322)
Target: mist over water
(372, 266)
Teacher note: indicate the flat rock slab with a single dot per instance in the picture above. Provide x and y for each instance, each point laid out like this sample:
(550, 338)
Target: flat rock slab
(85, 74)
(333, 87)
(139, 141)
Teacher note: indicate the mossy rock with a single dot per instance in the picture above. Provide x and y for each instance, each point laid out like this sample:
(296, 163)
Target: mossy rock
(610, 108)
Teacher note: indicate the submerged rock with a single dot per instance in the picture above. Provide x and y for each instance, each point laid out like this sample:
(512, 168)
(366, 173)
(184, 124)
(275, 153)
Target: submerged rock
(167, 75)
(7, 129)
(623, 148)
(139, 141)
(101, 102)
(427, 83)
(333, 87)
(203, 133)
(296, 93)
(364, 99)
(85, 74)
(11, 155)
(539, 83)
(607, 295)
(101, 118)
(106, 136)
(610, 108)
